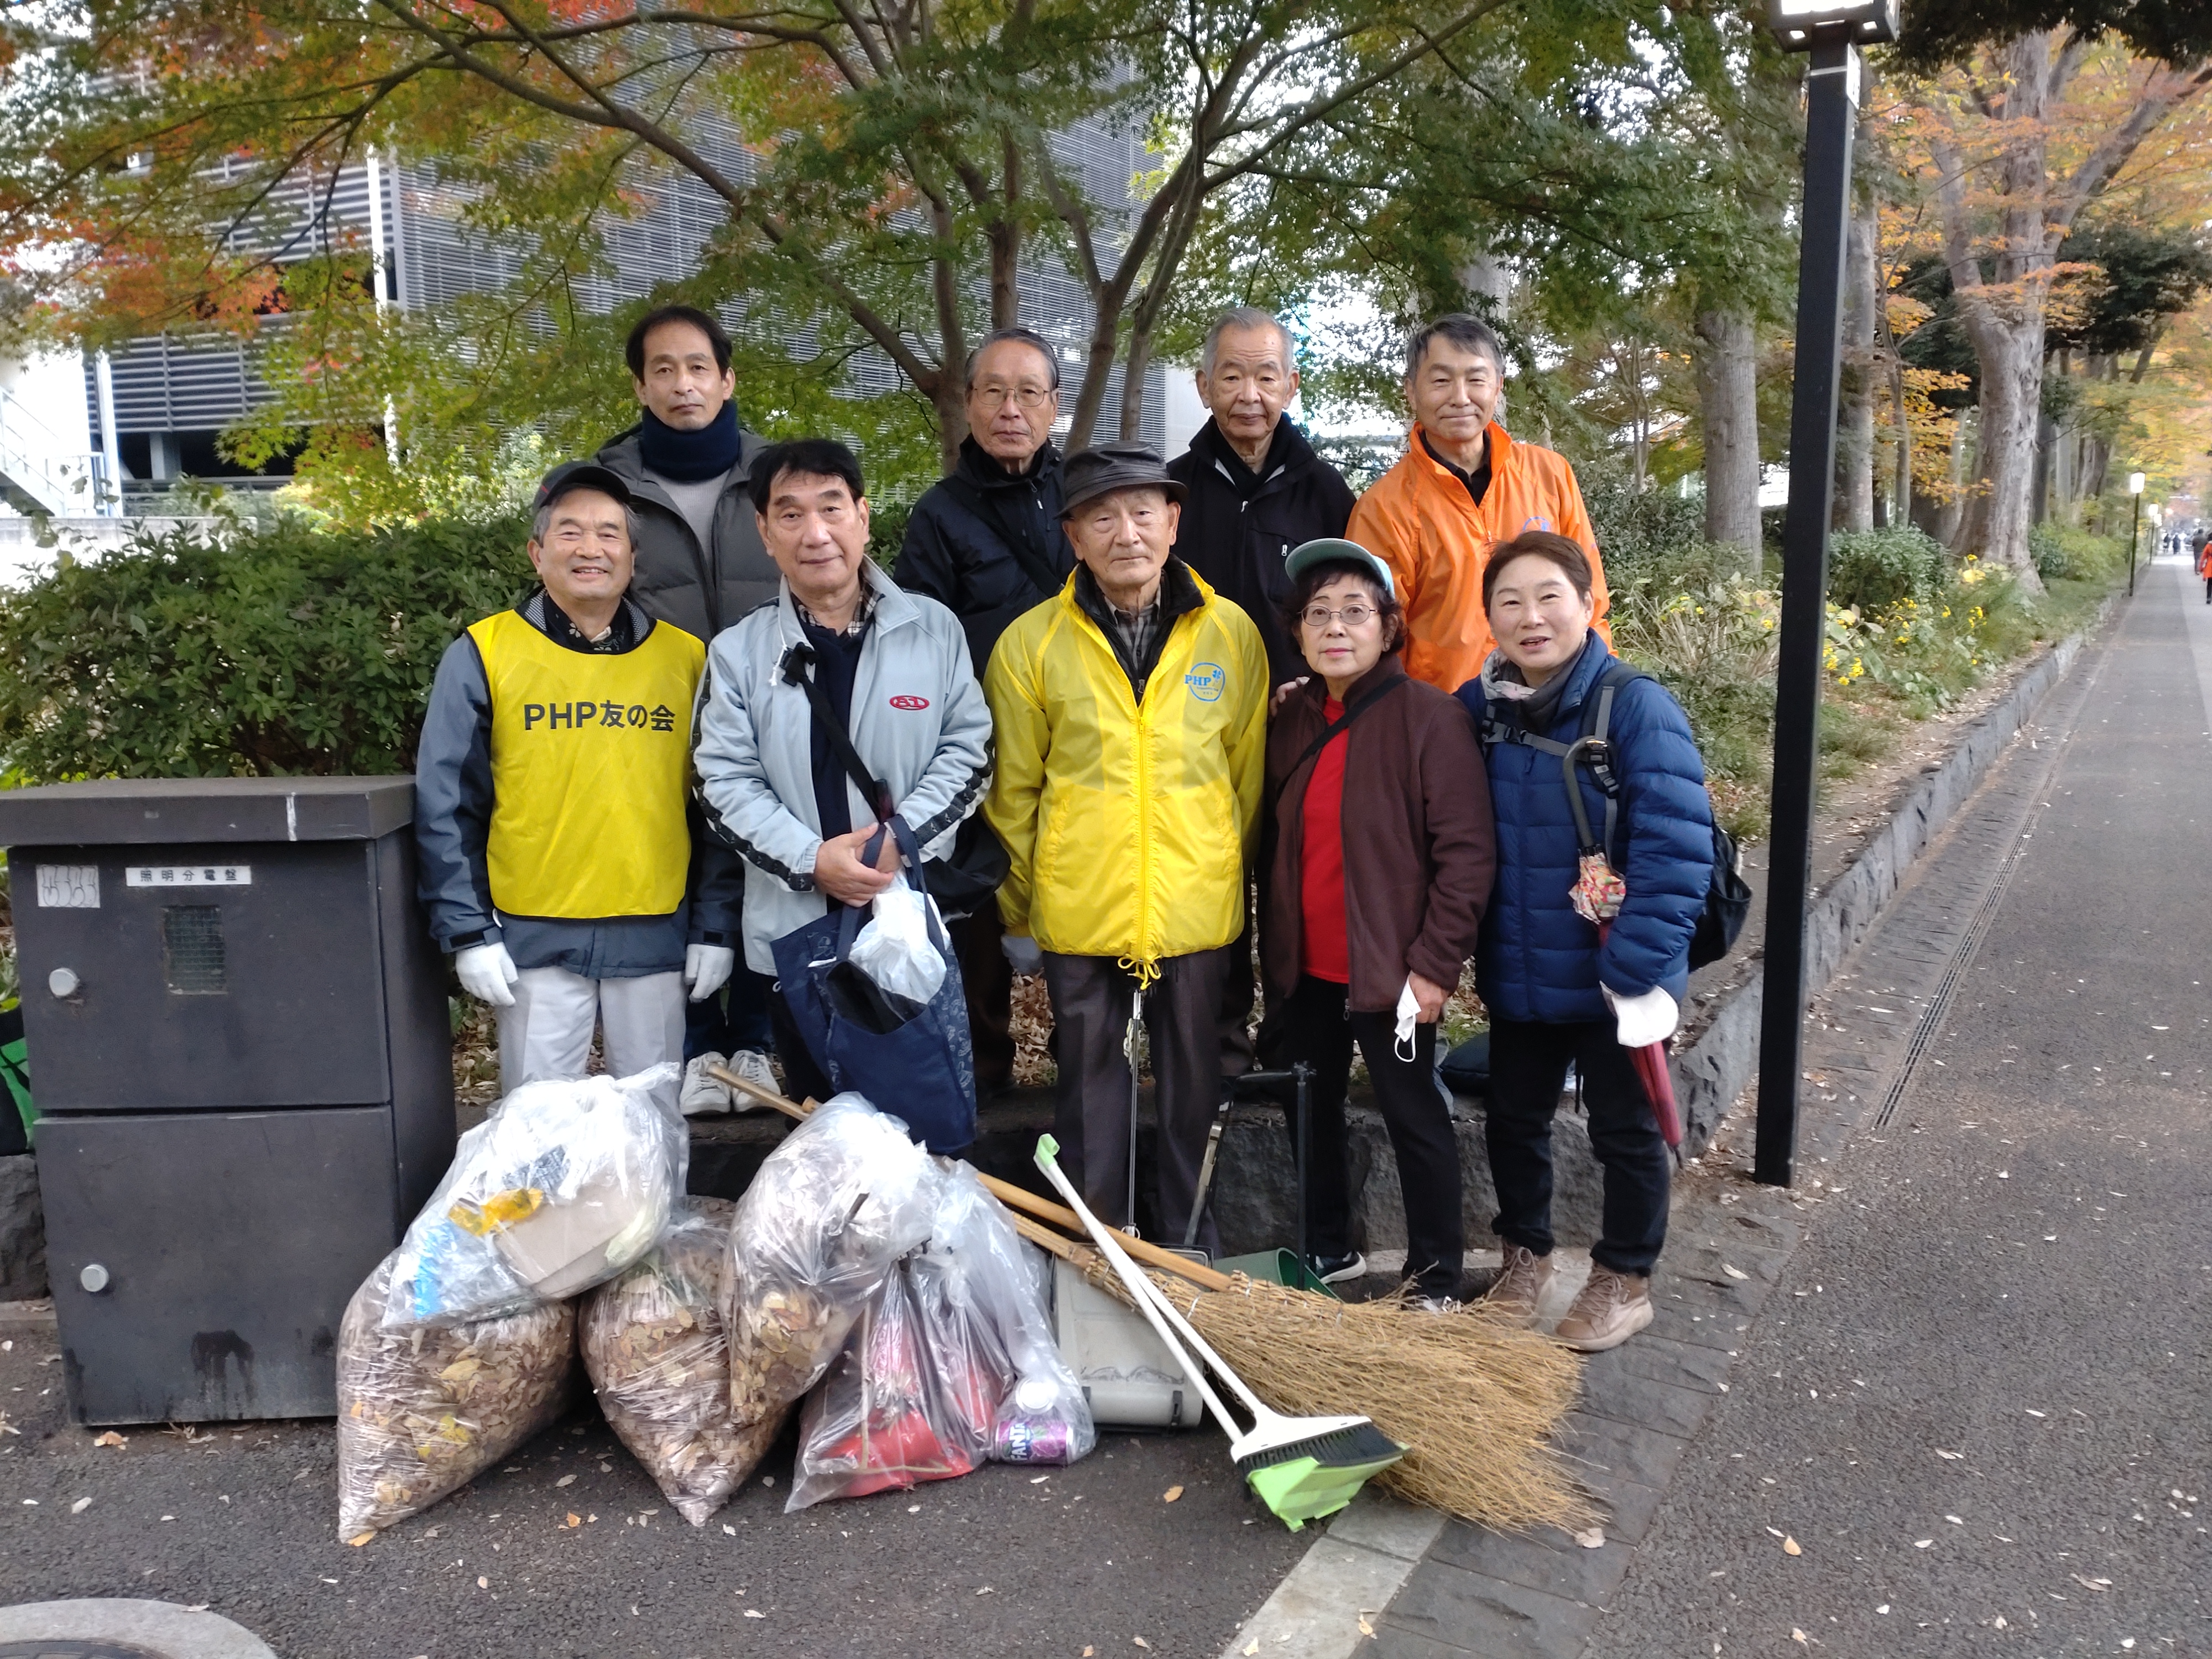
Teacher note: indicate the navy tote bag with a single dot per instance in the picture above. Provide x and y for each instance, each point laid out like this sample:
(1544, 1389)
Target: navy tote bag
(913, 1059)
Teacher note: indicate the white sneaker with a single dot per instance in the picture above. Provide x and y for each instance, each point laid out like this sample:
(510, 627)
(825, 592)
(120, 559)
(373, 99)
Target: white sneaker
(751, 1065)
(703, 1095)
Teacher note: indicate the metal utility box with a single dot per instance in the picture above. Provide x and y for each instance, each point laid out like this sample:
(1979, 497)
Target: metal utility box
(236, 1019)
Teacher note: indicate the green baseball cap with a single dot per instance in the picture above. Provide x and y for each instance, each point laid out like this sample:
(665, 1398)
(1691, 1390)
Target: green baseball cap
(1326, 548)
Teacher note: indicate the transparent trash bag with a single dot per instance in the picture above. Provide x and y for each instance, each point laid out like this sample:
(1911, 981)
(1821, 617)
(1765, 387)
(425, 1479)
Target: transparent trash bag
(894, 949)
(562, 1187)
(821, 1228)
(423, 1411)
(655, 1349)
(880, 1421)
(988, 1334)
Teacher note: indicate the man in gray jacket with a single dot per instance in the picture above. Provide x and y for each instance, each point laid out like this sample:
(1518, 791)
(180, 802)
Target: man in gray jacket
(894, 671)
(700, 566)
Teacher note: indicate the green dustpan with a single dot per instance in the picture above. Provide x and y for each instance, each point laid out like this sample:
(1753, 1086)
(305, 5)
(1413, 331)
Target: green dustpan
(1277, 1267)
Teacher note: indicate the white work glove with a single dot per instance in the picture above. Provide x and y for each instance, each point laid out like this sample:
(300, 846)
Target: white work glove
(1646, 1020)
(706, 969)
(486, 971)
(1023, 954)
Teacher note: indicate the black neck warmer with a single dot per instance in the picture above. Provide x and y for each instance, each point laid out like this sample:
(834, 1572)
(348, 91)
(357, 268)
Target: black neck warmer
(689, 457)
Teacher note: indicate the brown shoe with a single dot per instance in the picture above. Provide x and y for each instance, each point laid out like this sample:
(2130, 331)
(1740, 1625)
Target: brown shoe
(1612, 1308)
(1519, 1286)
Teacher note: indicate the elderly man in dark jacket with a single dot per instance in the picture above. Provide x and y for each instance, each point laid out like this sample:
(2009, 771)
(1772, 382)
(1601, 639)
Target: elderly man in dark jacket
(987, 543)
(700, 568)
(1256, 490)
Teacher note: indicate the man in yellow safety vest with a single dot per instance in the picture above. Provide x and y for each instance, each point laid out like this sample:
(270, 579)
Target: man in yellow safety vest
(550, 786)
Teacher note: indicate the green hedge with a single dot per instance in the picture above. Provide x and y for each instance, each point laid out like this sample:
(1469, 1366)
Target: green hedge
(283, 650)
(1871, 570)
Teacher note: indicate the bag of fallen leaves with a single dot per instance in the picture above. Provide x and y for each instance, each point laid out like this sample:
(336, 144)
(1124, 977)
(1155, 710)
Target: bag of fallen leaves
(881, 1421)
(424, 1410)
(565, 1185)
(654, 1348)
(815, 1237)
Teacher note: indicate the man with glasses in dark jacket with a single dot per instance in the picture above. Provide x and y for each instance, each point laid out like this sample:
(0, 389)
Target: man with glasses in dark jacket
(1256, 490)
(987, 543)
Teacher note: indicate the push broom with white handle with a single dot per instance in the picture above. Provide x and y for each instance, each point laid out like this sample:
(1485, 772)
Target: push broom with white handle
(1301, 1468)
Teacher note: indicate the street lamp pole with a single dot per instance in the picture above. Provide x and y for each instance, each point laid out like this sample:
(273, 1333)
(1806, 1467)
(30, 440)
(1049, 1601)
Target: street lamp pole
(1831, 33)
(2135, 527)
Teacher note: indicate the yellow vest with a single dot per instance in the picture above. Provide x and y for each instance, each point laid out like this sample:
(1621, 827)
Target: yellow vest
(590, 766)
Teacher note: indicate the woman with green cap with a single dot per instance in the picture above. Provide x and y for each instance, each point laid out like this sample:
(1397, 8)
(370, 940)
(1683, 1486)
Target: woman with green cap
(1376, 863)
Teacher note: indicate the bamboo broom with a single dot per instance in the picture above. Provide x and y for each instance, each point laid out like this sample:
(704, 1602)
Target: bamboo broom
(1477, 1398)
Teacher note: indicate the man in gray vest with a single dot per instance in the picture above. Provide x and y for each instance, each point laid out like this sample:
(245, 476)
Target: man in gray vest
(700, 567)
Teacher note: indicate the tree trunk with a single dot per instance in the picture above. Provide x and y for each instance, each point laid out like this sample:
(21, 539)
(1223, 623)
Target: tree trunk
(1136, 368)
(1855, 451)
(1728, 402)
(2008, 345)
(1953, 516)
(1005, 237)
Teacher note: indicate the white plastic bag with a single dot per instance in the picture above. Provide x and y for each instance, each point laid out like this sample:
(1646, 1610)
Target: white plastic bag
(893, 948)
(565, 1185)
(815, 1237)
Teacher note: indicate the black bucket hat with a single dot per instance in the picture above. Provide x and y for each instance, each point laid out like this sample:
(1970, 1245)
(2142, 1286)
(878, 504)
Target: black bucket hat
(1101, 470)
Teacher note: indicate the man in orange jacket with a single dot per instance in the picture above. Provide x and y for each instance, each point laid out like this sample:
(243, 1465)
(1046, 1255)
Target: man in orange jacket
(1463, 487)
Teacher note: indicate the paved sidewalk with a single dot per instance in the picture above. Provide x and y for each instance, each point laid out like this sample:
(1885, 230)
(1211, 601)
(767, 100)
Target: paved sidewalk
(1928, 1290)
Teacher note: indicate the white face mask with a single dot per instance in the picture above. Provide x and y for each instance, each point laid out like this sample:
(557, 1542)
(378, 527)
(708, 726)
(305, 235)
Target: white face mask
(1409, 1014)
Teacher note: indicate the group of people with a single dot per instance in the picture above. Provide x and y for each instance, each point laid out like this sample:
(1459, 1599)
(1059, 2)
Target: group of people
(1146, 689)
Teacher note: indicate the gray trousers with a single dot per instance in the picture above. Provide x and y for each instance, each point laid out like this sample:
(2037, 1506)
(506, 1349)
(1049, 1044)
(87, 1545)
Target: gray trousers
(1183, 1020)
(547, 1032)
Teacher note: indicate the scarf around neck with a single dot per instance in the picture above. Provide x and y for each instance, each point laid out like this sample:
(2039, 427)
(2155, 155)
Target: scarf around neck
(689, 457)
(1534, 707)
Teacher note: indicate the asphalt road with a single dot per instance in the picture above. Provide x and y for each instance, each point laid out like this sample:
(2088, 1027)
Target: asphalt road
(999, 1562)
(1980, 1404)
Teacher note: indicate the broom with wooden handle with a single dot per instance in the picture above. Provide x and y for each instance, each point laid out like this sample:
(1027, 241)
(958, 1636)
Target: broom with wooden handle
(1477, 1398)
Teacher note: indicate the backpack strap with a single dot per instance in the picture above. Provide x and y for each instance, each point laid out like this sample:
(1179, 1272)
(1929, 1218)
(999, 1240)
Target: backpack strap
(1591, 748)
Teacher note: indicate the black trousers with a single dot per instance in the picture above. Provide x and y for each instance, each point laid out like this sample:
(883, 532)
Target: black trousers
(987, 979)
(1091, 1116)
(1316, 1027)
(1528, 1068)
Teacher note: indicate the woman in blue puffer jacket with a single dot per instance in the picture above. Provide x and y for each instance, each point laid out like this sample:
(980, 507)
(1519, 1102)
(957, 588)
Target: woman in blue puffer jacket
(1555, 995)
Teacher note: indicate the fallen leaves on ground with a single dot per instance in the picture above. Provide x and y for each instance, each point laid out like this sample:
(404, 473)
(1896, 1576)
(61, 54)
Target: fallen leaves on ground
(1733, 1271)
(1170, 1494)
(110, 1438)
(1791, 1546)
(1591, 1538)
(81, 1506)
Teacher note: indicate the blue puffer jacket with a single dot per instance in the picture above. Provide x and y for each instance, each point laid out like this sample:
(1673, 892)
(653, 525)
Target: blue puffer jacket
(1537, 959)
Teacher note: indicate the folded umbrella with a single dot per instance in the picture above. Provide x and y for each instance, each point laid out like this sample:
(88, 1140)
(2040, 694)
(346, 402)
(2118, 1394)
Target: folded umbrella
(1597, 895)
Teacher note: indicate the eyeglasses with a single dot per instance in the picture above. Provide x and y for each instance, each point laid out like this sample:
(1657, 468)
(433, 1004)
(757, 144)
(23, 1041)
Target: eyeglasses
(1318, 617)
(1028, 397)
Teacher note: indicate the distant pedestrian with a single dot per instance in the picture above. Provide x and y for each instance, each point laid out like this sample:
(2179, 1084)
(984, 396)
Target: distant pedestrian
(1256, 490)
(892, 669)
(552, 830)
(1131, 719)
(701, 566)
(1463, 487)
(1555, 995)
(986, 542)
(2205, 562)
(1379, 857)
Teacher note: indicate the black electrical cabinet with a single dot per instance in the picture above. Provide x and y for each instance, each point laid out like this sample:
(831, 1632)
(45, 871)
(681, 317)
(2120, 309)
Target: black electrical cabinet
(239, 1040)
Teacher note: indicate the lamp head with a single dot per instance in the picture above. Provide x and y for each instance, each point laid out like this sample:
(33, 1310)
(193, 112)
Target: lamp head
(2135, 483)
(1862, 22)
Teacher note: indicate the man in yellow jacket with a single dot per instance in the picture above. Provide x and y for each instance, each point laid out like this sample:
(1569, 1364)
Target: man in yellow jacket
(1463, 487)
(1131, 719)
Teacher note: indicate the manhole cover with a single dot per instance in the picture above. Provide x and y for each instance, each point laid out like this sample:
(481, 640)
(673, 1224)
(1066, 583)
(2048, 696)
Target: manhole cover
(75, 1647)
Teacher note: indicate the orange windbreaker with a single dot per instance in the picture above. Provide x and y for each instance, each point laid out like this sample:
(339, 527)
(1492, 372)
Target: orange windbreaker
(1436, 540)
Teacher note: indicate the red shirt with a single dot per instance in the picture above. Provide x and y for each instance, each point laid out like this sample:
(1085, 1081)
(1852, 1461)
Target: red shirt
(1324, 952)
